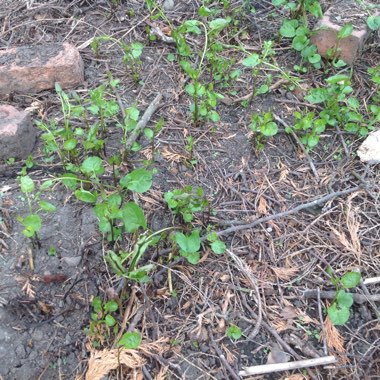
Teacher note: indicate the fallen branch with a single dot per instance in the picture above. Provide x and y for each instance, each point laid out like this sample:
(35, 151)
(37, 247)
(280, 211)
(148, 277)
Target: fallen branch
(294, 210)
(143, 121)
(329, 295)
(270, 368)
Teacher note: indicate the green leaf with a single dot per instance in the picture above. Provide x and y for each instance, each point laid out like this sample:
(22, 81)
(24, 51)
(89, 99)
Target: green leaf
(111, 306)
(252, 61)
(110, 320)
(269, 129)
(344, 299)
(192, 26)
(315, 58)
(204, 11)
(139, 180)
(115, 262)
(170, 57)
(97, 304)
(192, 257)
(149, 134)
(312, 141)
(338, 315)
(300, 42)
(130, 340)
(69, 180)
(46, 185)
(214, 116)
(92, 166)
(86, 196)
(218, 247)
(373, 22)
(263, 89)
(218, 24)
(338, 78)
(190, 89)
(353, 103)
(346, 31)
(133, 113)
(234, 332)
(188, 69)
(27, 184)
(47, 206)
(188, 243)
(288, 28)
(278, 3)
(350, 279)
(70, 144)
(133, 217)
(32, 224)
(317, 95)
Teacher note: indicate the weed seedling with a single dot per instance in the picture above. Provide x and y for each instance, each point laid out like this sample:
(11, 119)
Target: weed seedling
(187, 201)
(103, 323)
(32, 222)
(339, 310)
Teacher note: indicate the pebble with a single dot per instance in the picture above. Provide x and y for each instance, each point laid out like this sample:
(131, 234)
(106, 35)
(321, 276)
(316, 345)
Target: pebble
(168, 5)
(37, 335)
(20, 351)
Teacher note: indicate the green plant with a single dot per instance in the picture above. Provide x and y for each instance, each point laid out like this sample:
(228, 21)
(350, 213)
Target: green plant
(300, 8)
(126, 264)
(333, 52)
(103, 322)
(373, 22)
(341, 109)
(131, 53)
(187, 201)
(189, 245)
(339, 310)
(204, 97)
(32, 222)
(234, 332)
(130, 340)
(131, 58)
(257, 61)
(263, 126)
(297, 29)
(217, 246)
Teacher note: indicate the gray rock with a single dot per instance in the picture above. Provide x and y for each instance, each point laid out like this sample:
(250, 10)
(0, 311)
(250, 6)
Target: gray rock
(72, 261)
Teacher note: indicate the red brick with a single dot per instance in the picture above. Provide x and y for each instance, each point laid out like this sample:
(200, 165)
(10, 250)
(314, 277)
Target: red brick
(17, 134)
(326, 32)
(28, 69)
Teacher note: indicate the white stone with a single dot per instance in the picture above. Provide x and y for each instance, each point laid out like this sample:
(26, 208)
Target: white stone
(369, 150)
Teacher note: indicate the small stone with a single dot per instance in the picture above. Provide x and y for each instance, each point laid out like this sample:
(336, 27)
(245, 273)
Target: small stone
(20, 351)
(369, 150)
(36, 68)
(72, 261)
(37, 335)
(327, 29)
(168, 5)
(17, 134)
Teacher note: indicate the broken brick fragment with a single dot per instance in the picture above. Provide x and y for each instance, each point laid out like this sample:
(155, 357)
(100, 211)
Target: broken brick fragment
(17, 134)
(30, 69)
(325, 35)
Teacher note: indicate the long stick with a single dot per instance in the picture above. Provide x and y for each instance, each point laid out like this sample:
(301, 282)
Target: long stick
(294, 210)
(143, 121)
(330, 294)
(270, 368)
